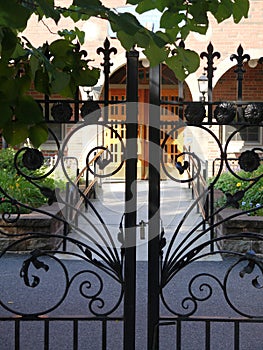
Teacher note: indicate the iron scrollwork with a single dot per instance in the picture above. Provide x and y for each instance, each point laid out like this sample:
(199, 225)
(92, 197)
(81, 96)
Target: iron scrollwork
(89, 282)
(204, 285)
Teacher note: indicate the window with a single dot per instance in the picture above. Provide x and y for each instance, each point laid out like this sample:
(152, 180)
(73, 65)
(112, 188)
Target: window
(250, 134)
(57, 130)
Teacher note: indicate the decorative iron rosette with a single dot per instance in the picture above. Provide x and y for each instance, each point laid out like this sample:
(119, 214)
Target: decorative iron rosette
(33, 159)
(225, 113)
(90, 110)
(249, 161)
(61, 112)
(195, 113)
(253, 113)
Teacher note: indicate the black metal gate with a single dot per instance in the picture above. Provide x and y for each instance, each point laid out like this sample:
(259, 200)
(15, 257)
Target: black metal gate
(193, 298)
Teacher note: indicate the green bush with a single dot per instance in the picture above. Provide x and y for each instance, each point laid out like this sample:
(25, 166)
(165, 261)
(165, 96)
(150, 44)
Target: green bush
(253, 197)
(18, 187)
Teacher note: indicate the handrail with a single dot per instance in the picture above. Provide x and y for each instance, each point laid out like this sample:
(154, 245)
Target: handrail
(200, 180)
(84, 194)
(86, 167)
(88, 188)
(71, 195)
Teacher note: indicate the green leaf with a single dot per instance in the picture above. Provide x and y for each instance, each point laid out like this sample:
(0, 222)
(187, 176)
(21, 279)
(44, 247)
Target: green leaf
(200, 28)
(61, 47)
(86, 76)
(87, 3)
(75, 13)
(15, 133)
(80, 35)
(59, 81)
(8, 43)
(38, 134)
(70, 89)
(23, 84)
(19, 52)
(129, 30)
(171, 20)
(183, 63)
(41, 81)
(34, 65)
(125, 22)
(143, 38)
(224, 10)
(47, 10)
(155, 54)
(27, 111)
(190, 59)
(6, 114)
(8, 90)
(146, 5)
(70, 35)
(14, 15)
(240, 10)
(67, 34)
(91, 7)
(62, 50)
(198, 11)
(127, 41)
(185, 30)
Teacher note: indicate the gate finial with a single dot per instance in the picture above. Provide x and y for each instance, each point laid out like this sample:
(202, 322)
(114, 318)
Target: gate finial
(240, 58)
(210, 55)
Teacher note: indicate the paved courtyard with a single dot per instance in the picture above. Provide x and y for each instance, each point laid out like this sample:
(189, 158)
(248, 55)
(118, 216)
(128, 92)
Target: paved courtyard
(175, 201)
(211, 303)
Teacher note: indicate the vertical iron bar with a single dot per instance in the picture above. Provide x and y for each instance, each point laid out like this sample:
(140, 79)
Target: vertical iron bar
(181, 98)
(75, 334)
(46, 108)
(212, 218)
(67, 218)
(207, 335)
(198, 193)
(76, 106)
(106, 50)
(130, 200)
(210, 75)
(193, 172)
(17, 334)
(240, 58)
(154, 205)
(46, 334)
(236, 335)
(210, 55)
(104, 335)
(65, 232)
(178, 334)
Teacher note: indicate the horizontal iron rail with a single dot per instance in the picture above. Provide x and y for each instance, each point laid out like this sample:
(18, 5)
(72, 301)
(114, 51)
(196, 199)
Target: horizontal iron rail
(60, 318)
(211, 319)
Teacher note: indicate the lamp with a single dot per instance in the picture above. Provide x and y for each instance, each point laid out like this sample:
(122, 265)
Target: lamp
(145, 63)
(203, 85)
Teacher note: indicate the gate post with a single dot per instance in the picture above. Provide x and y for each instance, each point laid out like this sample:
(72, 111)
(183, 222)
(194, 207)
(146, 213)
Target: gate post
(130, 200)
(154, 208)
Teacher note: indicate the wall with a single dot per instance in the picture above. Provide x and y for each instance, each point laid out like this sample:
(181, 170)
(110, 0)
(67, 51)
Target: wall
(225, 38)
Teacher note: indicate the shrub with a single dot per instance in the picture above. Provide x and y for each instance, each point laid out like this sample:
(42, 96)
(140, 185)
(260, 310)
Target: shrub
(18, 187)
(253, 197)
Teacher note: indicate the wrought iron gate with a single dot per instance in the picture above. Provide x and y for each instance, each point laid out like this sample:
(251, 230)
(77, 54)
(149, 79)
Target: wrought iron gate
(87, 303)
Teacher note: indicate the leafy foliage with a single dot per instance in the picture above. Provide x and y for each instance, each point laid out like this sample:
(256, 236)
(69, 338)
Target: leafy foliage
(253, 197)
(61, 66)
(19, 188)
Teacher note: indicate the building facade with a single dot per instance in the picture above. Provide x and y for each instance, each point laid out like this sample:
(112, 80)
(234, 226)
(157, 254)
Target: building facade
(225, 38)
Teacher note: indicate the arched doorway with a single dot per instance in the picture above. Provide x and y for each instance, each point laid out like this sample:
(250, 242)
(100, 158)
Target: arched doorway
(117, 112)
